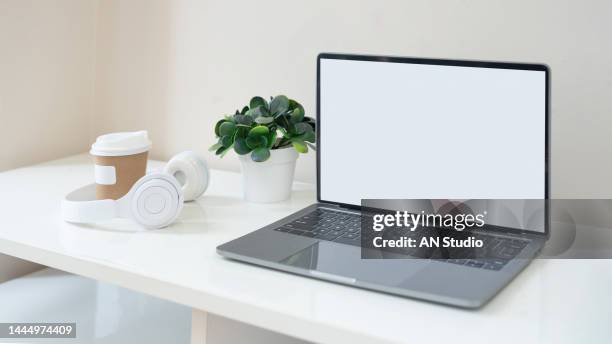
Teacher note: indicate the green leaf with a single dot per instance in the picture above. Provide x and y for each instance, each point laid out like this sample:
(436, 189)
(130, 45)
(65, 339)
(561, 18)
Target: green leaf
(258, 111)
(282, 121)
(220, 150)
(293, 104)
(263, 111)
(297, 115)
(244, 110)
(279, 104)
(241, 147)
(215, 147)
(227, 129)
(242, 130)
(291, 130)
(258, 101)
(243, 119)
(309, 137)
(227, 140)
(252, 142)
(300, 146)
(283, 142)
(272, 139)
(313, 125)
(253, 112)
(256, 141)
(260, 154)
(218, 125)
(259, 130)
(302, 128)
(264, 120)
(226, 149)
(223, 150)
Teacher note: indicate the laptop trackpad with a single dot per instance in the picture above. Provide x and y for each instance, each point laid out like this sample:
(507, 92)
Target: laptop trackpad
(345, 260)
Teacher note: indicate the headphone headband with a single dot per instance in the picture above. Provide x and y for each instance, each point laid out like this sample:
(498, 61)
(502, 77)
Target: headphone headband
(81, 206)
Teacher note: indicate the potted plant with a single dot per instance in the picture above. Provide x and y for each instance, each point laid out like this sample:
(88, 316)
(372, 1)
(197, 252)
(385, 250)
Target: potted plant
(267, 137)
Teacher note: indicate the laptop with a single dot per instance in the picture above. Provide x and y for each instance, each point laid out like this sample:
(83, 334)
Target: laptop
(417, 128)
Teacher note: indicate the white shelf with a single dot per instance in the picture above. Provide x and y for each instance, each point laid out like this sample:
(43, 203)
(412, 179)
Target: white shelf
(103, 313)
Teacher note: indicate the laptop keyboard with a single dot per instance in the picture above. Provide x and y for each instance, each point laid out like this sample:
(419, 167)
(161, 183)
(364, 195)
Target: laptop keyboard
(345, 228)
(327, 225)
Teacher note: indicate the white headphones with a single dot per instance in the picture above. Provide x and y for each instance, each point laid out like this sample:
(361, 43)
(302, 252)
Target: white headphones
(154, 201)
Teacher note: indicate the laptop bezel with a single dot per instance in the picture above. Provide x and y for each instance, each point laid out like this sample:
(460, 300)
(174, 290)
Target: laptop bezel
(445, 62)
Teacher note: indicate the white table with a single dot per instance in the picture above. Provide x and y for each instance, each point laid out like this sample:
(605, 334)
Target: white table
(552, 301)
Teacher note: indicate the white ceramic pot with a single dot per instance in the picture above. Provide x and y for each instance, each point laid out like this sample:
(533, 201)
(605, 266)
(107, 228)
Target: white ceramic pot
(271, 180)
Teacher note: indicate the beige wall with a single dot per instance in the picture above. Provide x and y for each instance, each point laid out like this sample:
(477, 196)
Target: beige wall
(175, 67)
(46, 79)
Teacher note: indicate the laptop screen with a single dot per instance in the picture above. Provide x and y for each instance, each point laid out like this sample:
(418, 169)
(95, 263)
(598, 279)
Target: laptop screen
(401, 130)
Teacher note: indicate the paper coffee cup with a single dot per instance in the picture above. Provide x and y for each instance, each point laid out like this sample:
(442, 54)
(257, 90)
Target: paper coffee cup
(120, 160)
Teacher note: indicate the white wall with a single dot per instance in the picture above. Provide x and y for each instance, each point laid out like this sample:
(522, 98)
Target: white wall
(175, 67)
(46, 84)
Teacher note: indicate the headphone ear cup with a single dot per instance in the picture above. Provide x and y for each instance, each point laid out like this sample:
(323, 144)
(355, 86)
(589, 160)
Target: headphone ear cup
(192, 173)
(156, 200)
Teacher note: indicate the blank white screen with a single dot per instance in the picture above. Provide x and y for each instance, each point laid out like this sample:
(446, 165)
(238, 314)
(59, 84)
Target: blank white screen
(414, 131)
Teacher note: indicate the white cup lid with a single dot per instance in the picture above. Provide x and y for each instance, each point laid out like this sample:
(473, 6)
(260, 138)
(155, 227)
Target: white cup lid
(118, 144)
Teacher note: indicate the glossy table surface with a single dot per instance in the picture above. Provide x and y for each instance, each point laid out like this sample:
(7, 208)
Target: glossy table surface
(552, 301)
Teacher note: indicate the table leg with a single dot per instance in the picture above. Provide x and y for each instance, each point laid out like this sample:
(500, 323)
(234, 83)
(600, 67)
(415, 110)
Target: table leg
(198, 326)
